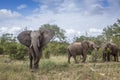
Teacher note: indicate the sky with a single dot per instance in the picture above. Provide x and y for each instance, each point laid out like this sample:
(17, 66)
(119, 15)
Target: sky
(76, 17)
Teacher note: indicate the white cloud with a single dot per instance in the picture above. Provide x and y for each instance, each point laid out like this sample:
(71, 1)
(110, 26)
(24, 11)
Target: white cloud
(22, 6)
(75, 16)
(5, 13)
(95, 30)
(71, 33)
(68, 6)
(11, 30)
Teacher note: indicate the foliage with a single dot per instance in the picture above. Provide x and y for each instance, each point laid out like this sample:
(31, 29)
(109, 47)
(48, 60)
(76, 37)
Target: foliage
(98, 40)
(59, 33)
(8, 45)
(1, 50)
(81, 38)
(46, 53)
(96, 55)
(56, 48)
(21, 52)
(112, 33)
(16, 51)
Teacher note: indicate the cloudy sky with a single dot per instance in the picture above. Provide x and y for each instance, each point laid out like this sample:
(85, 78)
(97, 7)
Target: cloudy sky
(75, 16)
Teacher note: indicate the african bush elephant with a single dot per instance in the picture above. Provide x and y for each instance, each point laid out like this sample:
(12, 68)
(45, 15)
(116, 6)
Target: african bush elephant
(35, 41)
(80, 48)
(110, 49)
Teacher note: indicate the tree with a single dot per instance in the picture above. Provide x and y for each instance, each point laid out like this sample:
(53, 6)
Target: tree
(9, 46)
(5, 39)
(112, 33)
(108, 33)
(55, 48)
(59, 33)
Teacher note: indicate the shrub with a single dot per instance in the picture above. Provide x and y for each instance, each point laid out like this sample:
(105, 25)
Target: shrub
(46, 54)
(16, 51)
(55, 48)
(1, 50)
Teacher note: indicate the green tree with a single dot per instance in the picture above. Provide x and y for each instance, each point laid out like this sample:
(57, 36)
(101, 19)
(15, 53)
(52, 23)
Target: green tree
(112, 32)
(1, 50)
(59, 33)
(5, 39)
(9, 46)
(55, 48)
(81, 38)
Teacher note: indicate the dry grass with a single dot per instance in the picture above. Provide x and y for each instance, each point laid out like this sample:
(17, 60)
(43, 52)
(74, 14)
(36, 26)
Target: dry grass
(57, 68)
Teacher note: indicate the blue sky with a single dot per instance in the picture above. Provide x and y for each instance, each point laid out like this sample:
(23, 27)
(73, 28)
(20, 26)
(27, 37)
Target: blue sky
(76, 17)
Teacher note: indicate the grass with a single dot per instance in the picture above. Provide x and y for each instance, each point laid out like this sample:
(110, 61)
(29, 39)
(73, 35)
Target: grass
(57, 68)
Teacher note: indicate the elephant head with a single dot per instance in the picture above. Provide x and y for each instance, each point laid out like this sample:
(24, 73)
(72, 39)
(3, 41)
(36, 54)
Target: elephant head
(43, 35)
(40, 38)
(110, 49)
(89, 45)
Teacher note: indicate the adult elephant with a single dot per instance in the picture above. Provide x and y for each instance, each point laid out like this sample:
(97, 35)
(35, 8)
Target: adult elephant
(35, 41)
(110, 49)
(80, 48)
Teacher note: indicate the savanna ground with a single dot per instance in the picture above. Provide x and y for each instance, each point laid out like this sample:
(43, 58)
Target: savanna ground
(57, 68)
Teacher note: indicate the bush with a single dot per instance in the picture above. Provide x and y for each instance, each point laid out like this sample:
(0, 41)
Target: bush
(16, 51)
(1, 50)
(11, 50)
(96, 55)
(46, 53)
(55, 48)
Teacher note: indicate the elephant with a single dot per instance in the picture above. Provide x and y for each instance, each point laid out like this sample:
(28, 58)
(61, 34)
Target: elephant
(80, 48)
(110, 49)
(35, 41)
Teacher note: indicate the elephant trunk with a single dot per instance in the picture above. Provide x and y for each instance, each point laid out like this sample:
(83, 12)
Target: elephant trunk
(36, 49)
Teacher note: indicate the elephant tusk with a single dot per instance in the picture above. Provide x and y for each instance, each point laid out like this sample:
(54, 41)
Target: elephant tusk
(31, 46)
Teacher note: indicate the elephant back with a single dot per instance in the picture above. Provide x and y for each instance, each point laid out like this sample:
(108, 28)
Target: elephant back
(75, 47)
(24, 38)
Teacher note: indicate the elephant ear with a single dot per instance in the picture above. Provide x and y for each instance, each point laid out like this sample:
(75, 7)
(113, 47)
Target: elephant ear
(24, 38)
(92, 45)
(47, 34)
(85, 44)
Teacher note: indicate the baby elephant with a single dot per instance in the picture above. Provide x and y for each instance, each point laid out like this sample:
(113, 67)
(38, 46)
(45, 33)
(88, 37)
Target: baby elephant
(110, 49)
(80, 48)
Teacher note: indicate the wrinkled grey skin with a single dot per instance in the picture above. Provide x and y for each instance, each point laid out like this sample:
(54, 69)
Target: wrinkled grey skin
(35, 41)
(113, 50)
(80, 48)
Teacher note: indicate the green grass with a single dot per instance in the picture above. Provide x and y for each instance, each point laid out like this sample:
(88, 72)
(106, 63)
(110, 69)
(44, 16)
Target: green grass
(57, 68)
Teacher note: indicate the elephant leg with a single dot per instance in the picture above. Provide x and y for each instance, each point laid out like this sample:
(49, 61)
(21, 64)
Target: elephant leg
(74, 56)
(69, 56)
(104, 56)
(36, 61)
(116, 58)
(30, 58)
(108, 56)
(84, 56)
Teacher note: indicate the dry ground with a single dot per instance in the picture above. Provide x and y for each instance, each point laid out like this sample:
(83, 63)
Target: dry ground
(57, 68)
